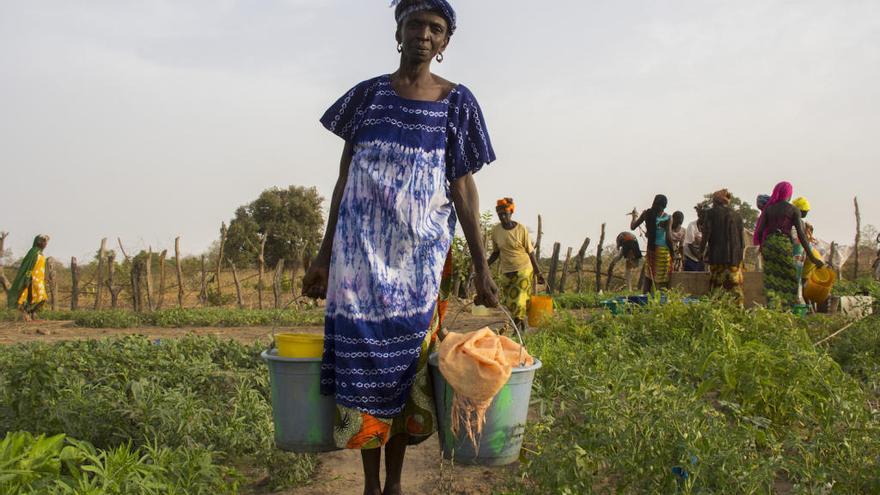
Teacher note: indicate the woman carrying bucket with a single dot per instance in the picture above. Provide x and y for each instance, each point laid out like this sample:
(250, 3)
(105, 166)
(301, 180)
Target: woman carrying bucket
(518, 263)
(412, 142)
(28, 290)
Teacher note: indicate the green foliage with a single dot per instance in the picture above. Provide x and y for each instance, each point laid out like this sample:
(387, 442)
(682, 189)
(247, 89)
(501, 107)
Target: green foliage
(176, 318)
(194, 393)
(582, 300)
(732, 401)
(60, 465)
(292, 217)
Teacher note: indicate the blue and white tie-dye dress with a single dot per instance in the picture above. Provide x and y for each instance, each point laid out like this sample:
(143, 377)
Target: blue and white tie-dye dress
(396, 222)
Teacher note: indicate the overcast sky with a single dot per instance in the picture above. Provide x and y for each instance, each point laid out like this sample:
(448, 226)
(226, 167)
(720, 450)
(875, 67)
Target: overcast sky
(150, 119)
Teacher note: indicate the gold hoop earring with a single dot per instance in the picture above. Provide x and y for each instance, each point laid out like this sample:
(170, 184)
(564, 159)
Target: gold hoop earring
(439, 58)
(400, 48)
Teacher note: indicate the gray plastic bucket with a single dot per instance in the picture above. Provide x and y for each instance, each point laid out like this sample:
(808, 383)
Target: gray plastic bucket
(303, 417)
(502, 436)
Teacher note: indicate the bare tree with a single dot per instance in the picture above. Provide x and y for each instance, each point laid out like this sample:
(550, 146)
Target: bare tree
(203, 293)
(564, 271)
(276, 285)
(579, 263)
(554, 265)
(148, 276)
(52, 279)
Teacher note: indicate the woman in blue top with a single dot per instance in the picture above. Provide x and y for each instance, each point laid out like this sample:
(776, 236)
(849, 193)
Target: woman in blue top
(413, 140)
(659, 257)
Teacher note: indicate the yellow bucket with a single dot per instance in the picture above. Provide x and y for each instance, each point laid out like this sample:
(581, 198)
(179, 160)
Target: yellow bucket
(540, 308)
(819, 285)
(299, 345)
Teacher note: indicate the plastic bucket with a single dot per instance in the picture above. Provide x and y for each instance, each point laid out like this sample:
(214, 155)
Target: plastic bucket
(819, 285)
(299, 345)
(502, 436)
(540, 308)
(303, 417)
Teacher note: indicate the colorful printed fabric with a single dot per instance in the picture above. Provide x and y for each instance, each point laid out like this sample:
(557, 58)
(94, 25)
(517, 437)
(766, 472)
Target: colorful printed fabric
(409, 7)
(356, 429)
(780, 275)
(393, 232)
(728, 278)
(659, 265)
(24, 275)
(516, 288)
(33, 297)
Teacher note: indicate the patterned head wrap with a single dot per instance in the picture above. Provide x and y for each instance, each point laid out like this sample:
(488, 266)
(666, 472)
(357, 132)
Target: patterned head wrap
(721, 197)
(801, 203)
(505, 204)
(782, 192)
(403, 8)
(762, 201)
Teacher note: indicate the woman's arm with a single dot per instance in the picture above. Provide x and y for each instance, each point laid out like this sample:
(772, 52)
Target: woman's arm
(635, 223)
(802, 236)
(494, 256)
(315, 280)
(466, 199)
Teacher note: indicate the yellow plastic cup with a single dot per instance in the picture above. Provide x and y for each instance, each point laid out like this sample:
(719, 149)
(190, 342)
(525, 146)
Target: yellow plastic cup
(299, 345)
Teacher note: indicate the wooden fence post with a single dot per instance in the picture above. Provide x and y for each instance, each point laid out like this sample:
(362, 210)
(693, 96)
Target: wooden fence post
(223, 232)
(858, 239)
(4, 282)
(599, 259)
(203, 293)
(99, 276)
(554, 264)
(179, 272)
(276, 284)
(111, 272)
(237, 284)
(161, 297)
(148, 273)
(564, 271)
(74, 285)
(261, 268)
(52, 279)
(579, 263)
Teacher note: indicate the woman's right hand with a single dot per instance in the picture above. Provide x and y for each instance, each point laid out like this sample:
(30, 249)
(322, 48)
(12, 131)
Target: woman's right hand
(314, 283)
(487, 291)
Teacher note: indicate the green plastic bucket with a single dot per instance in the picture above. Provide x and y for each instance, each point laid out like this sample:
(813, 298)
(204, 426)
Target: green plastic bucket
(303, 417)
(502, 436)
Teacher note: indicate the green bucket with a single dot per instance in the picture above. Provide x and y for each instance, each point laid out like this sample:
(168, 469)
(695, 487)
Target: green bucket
(502, 437)
(303, 417)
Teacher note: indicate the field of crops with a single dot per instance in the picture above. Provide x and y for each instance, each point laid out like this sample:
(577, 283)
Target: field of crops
(674, 398)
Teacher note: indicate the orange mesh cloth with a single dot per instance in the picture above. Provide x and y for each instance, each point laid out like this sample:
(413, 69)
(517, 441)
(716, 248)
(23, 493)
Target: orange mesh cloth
(477, 365)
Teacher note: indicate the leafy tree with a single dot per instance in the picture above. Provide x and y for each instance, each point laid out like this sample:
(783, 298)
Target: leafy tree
(290, 217)
(748, 213)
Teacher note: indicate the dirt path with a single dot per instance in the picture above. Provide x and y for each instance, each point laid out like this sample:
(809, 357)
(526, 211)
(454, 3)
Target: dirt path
(340, 472)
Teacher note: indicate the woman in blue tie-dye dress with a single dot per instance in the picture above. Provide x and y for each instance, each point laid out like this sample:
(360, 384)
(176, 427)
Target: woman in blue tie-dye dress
(412, 142)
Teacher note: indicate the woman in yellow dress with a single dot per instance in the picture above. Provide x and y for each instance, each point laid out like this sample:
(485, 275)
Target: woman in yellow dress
(28, 291)
(518, 263)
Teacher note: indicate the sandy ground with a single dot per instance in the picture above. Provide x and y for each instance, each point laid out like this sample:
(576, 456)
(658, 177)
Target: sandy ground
(340, 472)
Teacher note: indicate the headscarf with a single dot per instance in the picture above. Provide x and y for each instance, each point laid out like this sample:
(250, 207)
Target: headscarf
(408, 7)
(25, 272)
(801, 203)
(782, 192)
(721, 197)
(505, 204)
(762, 200)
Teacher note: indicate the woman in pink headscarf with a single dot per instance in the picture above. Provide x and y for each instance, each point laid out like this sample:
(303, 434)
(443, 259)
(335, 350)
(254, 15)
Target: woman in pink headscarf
(773, 234)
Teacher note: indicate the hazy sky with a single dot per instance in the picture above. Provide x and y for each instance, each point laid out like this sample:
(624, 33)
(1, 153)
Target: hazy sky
(151, 119)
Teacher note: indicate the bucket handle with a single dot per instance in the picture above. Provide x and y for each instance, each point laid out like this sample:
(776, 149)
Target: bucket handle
(522, 344)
